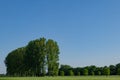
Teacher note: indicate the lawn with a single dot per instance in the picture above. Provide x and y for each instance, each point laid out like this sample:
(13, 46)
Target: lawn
(64, 78)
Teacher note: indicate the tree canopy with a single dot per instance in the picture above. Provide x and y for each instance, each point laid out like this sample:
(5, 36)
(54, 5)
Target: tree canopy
(14, 61)
(39, 58)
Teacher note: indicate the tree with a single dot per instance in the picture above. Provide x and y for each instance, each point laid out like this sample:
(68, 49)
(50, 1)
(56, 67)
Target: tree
(71, 73)
(35, 57)
(92, 69)
(52, 51)
(62, 73)
(112, 70)
(118, 69)
(85, 72)
(14, 62)
(92, 73)
(99, 73)
(106, 71)
(65, 68)
(78, 73)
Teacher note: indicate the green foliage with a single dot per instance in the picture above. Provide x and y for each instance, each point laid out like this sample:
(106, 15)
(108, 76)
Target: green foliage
(92, 73)
(14, 62)
(62, 73)
(99, 73)
(52, 51)
(42, 55)
(34, 59)
(112, 70)
(106, 71)
(91, 69)
(65, 68)
(71, 73)
(78, 73)
(85, 72)
(118, 71)
(35, 56)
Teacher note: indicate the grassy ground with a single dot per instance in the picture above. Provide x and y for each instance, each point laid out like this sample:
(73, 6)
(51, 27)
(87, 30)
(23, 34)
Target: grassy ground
(64, 78)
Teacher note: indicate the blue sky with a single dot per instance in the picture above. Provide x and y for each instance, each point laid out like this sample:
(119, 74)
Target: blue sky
(87, 31)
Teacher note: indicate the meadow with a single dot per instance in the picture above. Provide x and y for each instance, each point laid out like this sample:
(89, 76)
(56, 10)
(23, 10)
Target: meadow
(64, 78)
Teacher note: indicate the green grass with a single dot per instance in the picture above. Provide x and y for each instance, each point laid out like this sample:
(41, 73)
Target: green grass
(64, 78)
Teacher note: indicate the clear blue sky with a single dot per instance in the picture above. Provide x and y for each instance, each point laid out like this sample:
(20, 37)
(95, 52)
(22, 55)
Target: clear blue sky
(87, 31)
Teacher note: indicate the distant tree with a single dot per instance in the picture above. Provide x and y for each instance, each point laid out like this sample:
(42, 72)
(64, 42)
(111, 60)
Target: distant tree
(92, 69)
(78, 73)
(71, 73)
(112, 70)
(92, 73)
(62, 73)
(99, 73)
(118, 65)
(106, 71)
(2, 75)
(85, 72)
(118, 69)
(65, 68)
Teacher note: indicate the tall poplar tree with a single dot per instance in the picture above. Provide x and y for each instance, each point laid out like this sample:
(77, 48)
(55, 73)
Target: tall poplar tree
(52, 51)
(35, 57)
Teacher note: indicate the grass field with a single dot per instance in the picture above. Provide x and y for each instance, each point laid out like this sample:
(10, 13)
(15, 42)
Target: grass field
(64, 78)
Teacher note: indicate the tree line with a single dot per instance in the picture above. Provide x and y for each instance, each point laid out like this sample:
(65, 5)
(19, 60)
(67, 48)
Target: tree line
(39, 57)
(67, 70)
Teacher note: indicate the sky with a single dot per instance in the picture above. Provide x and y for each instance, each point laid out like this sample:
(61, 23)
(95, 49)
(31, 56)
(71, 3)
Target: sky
(87, 31)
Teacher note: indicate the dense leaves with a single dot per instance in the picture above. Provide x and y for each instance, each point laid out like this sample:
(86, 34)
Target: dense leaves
(14, 62)
(52, 51)
(90, 70)
(39, 58)
(35, 57)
